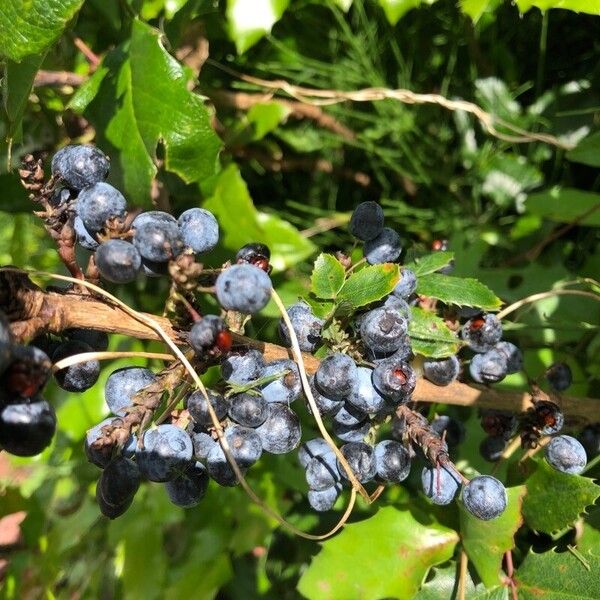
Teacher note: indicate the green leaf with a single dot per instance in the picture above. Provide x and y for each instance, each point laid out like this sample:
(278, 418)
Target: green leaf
(321, 308)
(370, 284)
(31, 26)
(16, 87)
(555, 500)
(266, 117)
(458, 290)
(142, 99)
(250, 21)
(565, 205)
(430, 336)
(430, 263)
(587, 151)
(485, 542)
(554, 576)
(395, 9)
(327, 277)
(591, 7)
(476, 8)
(241, 223)
(385, 556)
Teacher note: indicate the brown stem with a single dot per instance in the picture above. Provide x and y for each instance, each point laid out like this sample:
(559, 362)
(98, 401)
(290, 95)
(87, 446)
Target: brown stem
(33, 311)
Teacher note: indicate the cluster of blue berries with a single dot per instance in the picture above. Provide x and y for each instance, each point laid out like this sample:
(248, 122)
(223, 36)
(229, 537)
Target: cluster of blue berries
(123, 248)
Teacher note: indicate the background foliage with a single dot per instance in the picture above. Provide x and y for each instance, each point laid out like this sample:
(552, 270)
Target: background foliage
(182, 130)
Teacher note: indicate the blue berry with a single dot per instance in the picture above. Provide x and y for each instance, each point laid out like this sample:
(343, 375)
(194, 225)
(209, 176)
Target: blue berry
(79, 377)
(287, 387)
(199, 229)
(188, 488)
(119, 481)
(326, 405)
(99, 203)
(394, 379)
(485, 497)
(384, 248)
(361, 459)
(240, 369)
(366, 222)
(85, 239)
(324, 500)
(548, 417)
(306, 326)
(349, 415)
(98, 340)
(60, 197)
(80, 166)
(123, 384)
(27, 428)
(154, 269)
(26, 373)
(363, 395)
(451, 429)
(399, 304)
(198, 407)
(118, 261)
(219, 468)
(256, 254)
(204, 333)
(482, 333)
(203, 443)
(351, 433)
(157, 240)
(383, 329)
(166, 452)
(245, 445)
(590, 439)
(249, 410)
(440, 484)
(407, 284)
(243, 288)
(281, 432)
(312, 448)
(336, 376)
(153, 216)
(559, 376)
(321, 472)
(392, 461)
(492, 447)
(514, 357)
(566, 454)
(489, 367)
(442, 371)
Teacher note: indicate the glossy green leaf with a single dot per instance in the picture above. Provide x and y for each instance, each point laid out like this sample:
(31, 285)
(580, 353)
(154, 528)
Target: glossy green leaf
(555, 500)
(395, 9)
(587, 151)
(458, 290)
(591, 7)
(31, 26)
(558, 576)
(240, 222)
(142, 99)
(431, 263)
(327, 277)
(370, 284)
(565, 205)
(250, 20)
(266, 117)
(385, 556)
(430, 336)
(485, 542)
(16, 87)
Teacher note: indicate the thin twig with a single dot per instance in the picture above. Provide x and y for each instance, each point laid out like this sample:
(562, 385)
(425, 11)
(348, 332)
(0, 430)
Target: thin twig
(542, 296)
(320, 97)
(86, 356)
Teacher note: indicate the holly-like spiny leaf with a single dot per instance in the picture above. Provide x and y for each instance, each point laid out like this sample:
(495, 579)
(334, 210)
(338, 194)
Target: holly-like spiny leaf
(430, 336)
(370, 284)
(555, 500)
(327, 277)
(458, 290)
(431, 263)
(385, 556)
